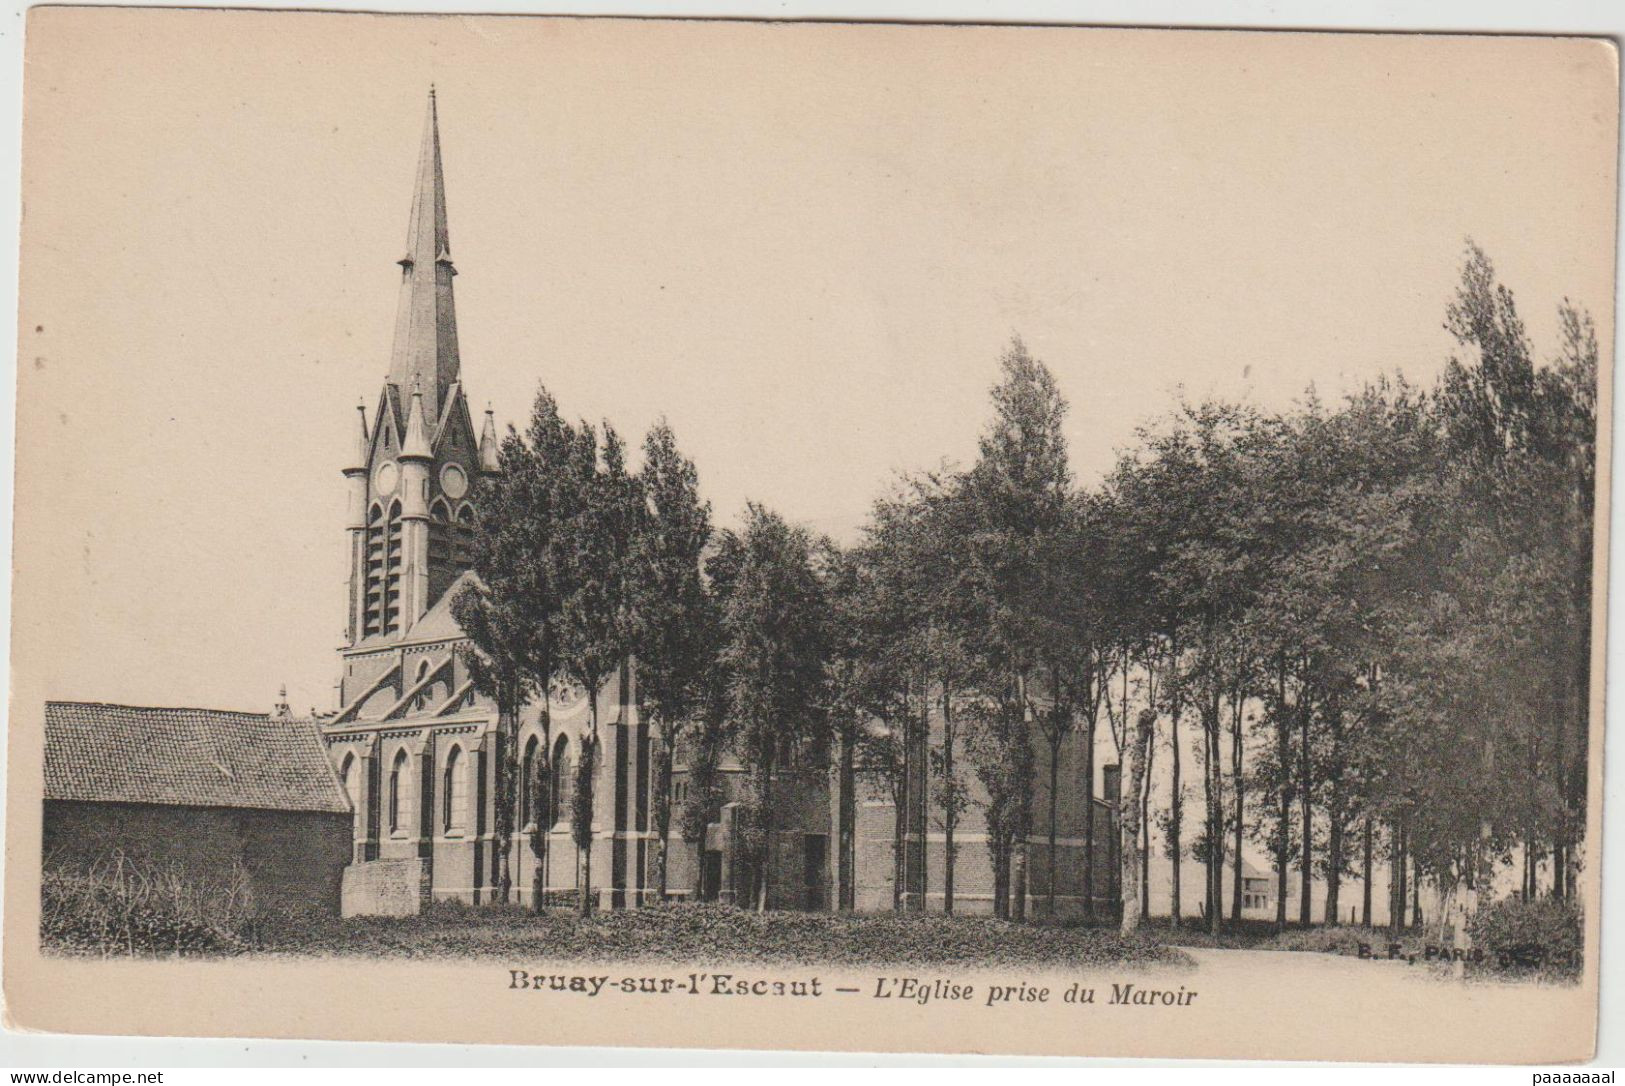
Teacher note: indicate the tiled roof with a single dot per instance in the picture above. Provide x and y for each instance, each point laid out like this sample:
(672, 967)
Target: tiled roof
(187, 758)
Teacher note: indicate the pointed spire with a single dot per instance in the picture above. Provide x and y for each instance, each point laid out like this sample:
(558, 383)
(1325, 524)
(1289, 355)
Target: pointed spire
(488, 444)
(415, 445)
(426, 321)
(363, 446)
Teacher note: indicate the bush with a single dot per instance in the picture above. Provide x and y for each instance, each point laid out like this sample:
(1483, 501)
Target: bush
(1517, 936)
(125, 907)
(1338, 940)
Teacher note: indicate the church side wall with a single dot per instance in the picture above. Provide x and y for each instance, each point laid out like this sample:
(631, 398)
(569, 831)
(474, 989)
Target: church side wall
(876, 853)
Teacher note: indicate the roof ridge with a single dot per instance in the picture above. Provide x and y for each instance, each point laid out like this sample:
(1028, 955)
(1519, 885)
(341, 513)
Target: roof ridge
(158, 708)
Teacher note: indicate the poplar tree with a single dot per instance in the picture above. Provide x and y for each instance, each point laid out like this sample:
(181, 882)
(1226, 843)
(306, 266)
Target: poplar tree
(510, 611)
(595, 631)
(774, 652)
(669, 624)
(1018, 492)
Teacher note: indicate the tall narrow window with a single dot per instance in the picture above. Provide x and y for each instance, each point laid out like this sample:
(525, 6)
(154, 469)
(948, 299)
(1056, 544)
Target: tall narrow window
(392, 569)
(451, 795)
(398, 779)
(440, 546)
(377, 561)
(563, 786)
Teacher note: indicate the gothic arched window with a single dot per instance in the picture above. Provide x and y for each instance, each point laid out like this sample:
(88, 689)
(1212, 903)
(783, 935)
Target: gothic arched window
(399, 781)
(440, 541)
(453, 794)
(563, 787)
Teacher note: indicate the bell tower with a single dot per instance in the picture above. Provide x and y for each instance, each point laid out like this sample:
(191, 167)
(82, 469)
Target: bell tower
(412, 477)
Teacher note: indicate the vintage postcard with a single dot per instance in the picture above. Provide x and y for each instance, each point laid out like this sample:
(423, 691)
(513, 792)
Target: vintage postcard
(820, 536)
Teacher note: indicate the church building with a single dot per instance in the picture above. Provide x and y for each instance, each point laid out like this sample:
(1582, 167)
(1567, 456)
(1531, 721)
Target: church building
(417, 748)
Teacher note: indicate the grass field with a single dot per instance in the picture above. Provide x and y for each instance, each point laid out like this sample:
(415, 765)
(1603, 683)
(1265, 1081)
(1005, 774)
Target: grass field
(108, 920)
(120, 910)
(708, 933)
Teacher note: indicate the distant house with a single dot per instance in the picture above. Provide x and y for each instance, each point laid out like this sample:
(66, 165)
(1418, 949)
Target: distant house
(1257, 892)
(1258, 888)
(218, 795)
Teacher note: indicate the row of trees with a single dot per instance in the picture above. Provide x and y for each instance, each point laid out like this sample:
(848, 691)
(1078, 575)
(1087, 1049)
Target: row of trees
(580, 563)
(1362, 627)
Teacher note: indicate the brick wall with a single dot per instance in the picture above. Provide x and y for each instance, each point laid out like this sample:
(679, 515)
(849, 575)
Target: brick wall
(292, 858)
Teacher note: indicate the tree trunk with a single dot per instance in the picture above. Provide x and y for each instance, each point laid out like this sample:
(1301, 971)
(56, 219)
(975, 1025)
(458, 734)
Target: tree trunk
(503, 822)
(1416, 896)
(845, 891)
(1089, 819)
(1365, 879)
(1396, 880)
(1175, 815)
(1054, 815)
(586, 778)
(1145, 832)
(950, 807)
(919, 797)
(664, 752)
(1209, 898)
(1284, 815)
(584, 902)
(1018, 876)
(1236, 767)
(1130, 854)
(1215, 822)
(1001, 904)
(1306, 872)
(544, 819)
(764, 818)
(1334, 862)
(898, 842)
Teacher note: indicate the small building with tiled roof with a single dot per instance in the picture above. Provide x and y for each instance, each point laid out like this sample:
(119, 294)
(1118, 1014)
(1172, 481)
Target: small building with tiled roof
(235, 800)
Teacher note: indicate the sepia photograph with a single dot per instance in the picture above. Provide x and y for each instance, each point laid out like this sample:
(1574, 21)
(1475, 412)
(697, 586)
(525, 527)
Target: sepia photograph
(811, 536)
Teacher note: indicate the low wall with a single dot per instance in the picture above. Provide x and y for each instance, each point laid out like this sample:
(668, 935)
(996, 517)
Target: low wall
(385, 888)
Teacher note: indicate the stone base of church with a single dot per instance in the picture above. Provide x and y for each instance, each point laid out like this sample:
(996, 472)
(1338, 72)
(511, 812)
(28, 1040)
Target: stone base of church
(384, 888)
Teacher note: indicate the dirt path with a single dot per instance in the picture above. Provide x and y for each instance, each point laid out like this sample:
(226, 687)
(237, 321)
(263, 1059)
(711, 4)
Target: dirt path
(1293, 965)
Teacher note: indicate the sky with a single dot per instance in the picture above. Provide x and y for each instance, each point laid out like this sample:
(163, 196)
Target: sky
(804, 245)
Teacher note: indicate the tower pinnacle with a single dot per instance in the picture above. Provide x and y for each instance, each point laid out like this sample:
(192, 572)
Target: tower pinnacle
(426, 321)
(415, 445)
(489, 463)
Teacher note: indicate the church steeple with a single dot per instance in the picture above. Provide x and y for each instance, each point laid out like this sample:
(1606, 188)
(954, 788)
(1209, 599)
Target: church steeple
(425, 353)
(412, 500)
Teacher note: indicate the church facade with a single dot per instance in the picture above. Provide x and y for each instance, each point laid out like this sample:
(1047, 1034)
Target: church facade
(418, 749)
